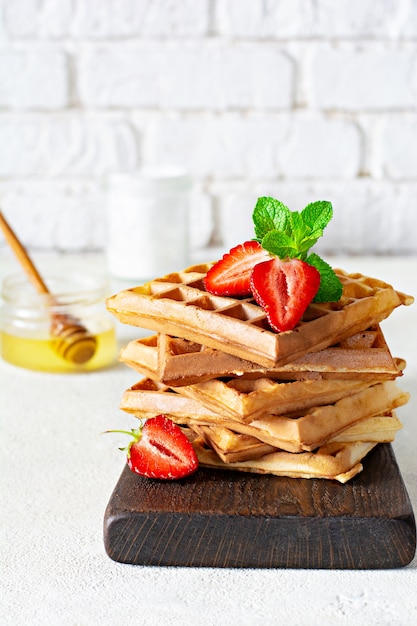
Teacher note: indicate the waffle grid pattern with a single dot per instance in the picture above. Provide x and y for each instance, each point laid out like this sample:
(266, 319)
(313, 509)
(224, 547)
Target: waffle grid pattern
(178, 304)
(179, 362)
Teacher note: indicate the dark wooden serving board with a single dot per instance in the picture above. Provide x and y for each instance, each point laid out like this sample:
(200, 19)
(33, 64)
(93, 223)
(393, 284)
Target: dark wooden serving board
(232, 519)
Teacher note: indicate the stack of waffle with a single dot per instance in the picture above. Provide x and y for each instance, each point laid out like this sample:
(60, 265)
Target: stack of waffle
(307, 403)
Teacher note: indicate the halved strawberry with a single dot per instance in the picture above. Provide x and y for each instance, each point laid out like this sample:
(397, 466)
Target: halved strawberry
(160, 449)
(231, 275)
(284, 289)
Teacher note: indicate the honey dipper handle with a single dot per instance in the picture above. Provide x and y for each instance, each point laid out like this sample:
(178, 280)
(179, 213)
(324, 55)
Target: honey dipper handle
(22, 256)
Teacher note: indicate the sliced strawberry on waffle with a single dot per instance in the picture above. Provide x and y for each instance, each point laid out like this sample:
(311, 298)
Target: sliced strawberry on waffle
(231, 275)
(277, 268)
(284, 289)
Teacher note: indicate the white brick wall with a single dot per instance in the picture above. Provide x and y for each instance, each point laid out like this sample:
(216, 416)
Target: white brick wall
(300, 99)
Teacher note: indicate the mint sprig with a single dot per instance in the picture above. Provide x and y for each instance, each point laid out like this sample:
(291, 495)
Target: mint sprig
(331, 288)
(291, 234)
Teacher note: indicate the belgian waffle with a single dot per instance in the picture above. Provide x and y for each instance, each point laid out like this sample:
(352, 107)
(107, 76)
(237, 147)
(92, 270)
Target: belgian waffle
(148, 398)
(178, 362)
(335, 461)
(293, 433)
(318, 426)
(246, 400)
(179, 305)
(232, 447)
(142, 355)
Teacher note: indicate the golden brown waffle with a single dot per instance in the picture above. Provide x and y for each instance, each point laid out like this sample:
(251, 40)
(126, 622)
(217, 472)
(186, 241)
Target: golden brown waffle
(293, 433)
(249, 399)
(316, 427)
(148, 398)
(336, 461)
(142, 355)
(179, 305)
(379, 428)
(232, 447)
(178, 362)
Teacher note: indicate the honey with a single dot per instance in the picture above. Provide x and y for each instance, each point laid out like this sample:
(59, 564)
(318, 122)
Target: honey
(38, 353)
(27, 322)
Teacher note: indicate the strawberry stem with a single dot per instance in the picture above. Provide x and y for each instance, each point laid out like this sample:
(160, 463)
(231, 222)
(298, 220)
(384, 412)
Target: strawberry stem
(136, 433)
(125, 432)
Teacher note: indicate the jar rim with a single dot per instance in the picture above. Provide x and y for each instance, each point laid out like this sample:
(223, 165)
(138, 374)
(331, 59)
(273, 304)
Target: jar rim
(65, 289)
(150, 180)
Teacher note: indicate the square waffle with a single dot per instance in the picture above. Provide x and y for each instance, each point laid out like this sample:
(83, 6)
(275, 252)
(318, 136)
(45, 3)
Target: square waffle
(178, 362)
(335, 461)
(248, 399)
(148, 398)
(178, 304)
(293, 432)
(231, 446)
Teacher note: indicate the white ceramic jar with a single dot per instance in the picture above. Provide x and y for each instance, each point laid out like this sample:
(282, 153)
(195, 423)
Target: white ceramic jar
(147, 225)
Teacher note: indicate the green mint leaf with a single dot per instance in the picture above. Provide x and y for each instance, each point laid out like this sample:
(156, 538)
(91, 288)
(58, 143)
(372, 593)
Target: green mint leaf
(270, 214)
(299, 228)
(316, 234)
(290, 234)
(317, 214)
(305, 245)
(279, 244)
(331, 288)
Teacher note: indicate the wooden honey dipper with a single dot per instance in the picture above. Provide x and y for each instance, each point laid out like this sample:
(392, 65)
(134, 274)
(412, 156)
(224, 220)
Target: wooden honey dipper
(70, 339)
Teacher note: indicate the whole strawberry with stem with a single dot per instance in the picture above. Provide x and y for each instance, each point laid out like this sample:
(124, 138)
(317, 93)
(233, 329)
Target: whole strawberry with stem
(276, 267)
(159, 449)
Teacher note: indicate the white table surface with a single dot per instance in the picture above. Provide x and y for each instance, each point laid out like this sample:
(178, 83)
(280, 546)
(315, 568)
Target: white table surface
(57, 475)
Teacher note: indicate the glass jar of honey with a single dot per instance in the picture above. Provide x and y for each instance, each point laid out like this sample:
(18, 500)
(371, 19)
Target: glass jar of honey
(69, 331)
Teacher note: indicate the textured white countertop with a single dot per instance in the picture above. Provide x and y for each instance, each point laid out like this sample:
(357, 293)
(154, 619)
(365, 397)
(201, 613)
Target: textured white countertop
(57, 474)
